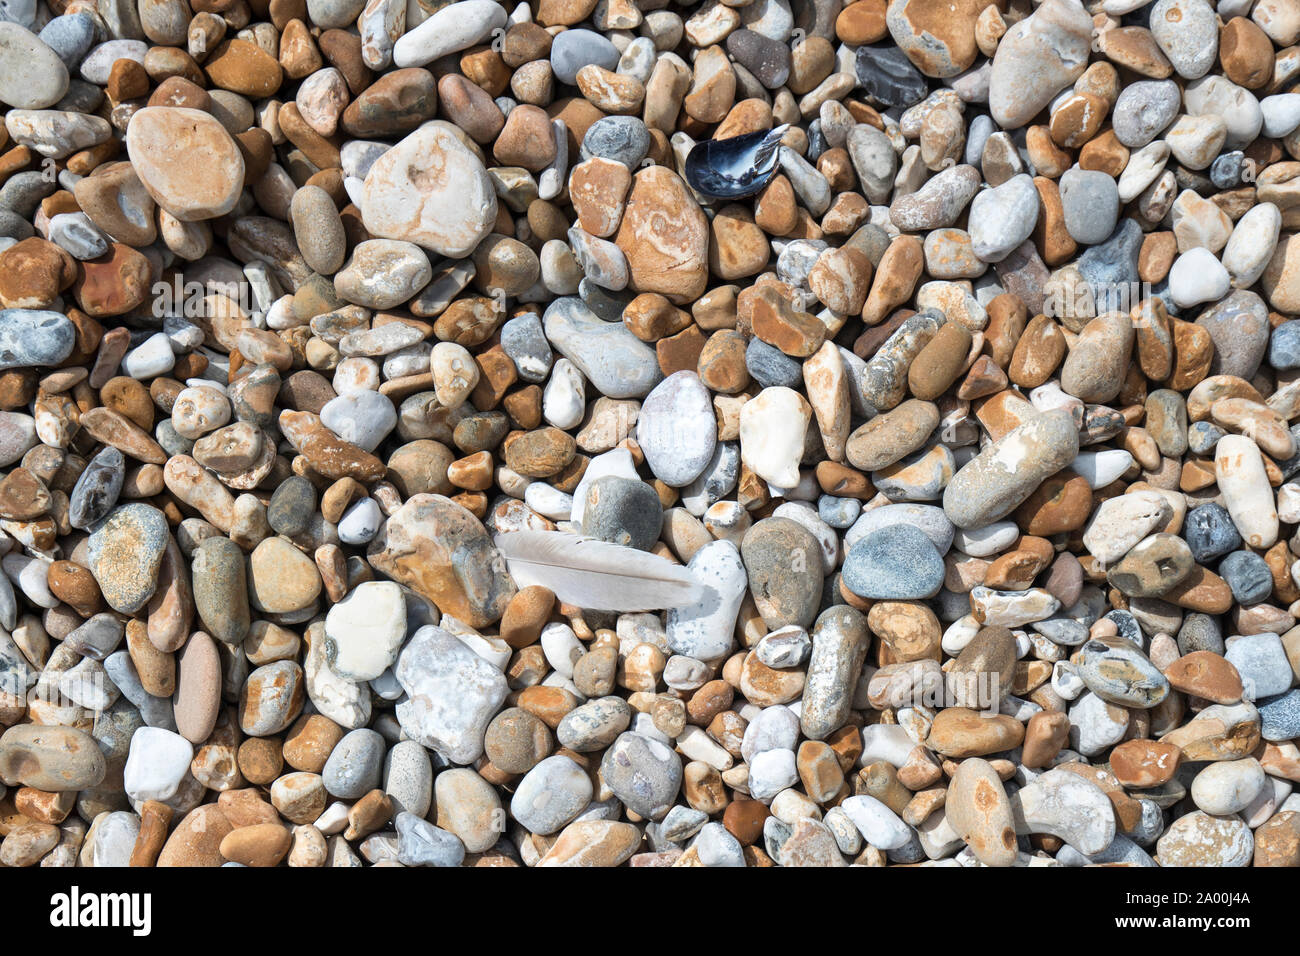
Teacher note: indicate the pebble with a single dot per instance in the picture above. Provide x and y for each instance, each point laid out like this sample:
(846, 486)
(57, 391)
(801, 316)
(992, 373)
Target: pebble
(1143, 110)
(888, 77)
(676, 449)
(431, 663)
(580, 48)
(51, 758)
(1090, 200)
(431, 190)
(643, 773)
(897, 562)
(995, 482)
(616, 362)
(1187, 33)
(1002, 218)
(365, 630)
(44, 76)
(446, 31)
(877, 823)
(1199, 839)
(159, 136)
(1261, 661)
(1035, 59)
(354, 765)
(30, 337)
(420, 843)
(158, 761)
(551, 795)
(125, 552)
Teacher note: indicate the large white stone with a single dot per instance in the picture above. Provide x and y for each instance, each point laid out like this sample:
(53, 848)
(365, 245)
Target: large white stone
(430, 189)
(364, 631)
(704, 630)
(452, 694)
(156, 764)
(455, 27)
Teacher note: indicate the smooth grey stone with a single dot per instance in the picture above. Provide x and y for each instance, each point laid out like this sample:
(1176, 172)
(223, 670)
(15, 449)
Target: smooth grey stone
(97, 490)
(70, 37)
(770, 367)
(840, 641)
(75, 233)
(1143, 110)
(14, 226)
(622, 511)
(408, 778)
(897, 562)
(217, 570)
(551, 795)
(34, 337)
(172, 442)
(785, 568)
(292, 506)
(1090, 199)
(22, 192)
(420, 843)
(624, 139)
(97, 638)
(82, 97)
(1200, 632)
(524, 341)
(1248, 576)
(839, 513)
(643, 773)
(355, 765)
(1239, 328)
(1262, 663)
(616, 362)
(575, 48)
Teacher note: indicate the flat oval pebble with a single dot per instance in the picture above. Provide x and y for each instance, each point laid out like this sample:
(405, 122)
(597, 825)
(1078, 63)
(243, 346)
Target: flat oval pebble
(668, 429)
(896, 562)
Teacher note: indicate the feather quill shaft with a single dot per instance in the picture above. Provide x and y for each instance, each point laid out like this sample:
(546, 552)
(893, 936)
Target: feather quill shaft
(595, 574)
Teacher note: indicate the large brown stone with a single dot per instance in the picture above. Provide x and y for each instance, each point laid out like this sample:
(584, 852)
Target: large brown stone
(665, 237)
(439, 549)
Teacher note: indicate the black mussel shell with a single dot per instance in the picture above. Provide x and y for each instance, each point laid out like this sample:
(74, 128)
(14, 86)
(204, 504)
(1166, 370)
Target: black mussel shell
(736, 167)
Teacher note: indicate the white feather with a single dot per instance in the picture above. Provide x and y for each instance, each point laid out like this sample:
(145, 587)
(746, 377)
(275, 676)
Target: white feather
(596, 575)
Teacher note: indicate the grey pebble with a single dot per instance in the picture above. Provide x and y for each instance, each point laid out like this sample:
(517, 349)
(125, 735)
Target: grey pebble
(897, 562)
(34, 337)
(97, 490)
(1091, 204)
(291, 506)
(420, 843)
(1248, 576)
(622, 511)
(644, 773)
(621, 138)
(355, 765)
(574, 49)
(1144, 109)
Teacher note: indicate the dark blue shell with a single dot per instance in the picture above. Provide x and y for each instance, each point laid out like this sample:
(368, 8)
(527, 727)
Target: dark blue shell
(736, 167)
